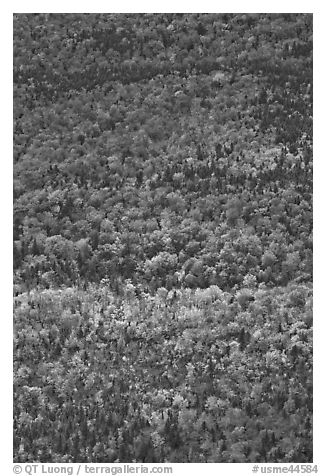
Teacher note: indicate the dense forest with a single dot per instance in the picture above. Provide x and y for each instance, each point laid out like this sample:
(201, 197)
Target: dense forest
(162, 237)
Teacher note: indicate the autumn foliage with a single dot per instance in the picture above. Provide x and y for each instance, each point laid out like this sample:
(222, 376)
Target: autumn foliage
(163, 237)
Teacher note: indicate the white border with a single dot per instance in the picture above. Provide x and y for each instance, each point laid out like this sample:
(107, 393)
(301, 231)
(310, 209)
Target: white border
(319, 198)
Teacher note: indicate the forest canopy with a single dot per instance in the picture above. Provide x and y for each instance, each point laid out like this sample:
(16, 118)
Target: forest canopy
(163, 207)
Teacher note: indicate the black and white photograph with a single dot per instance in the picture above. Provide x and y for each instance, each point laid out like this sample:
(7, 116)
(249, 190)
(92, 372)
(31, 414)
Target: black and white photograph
(162, 240)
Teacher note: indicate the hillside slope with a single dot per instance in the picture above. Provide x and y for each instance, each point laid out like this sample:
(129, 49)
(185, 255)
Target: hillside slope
(163, 237)
(167, 149)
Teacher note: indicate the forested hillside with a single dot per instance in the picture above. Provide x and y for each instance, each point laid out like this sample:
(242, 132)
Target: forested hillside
(163, 237)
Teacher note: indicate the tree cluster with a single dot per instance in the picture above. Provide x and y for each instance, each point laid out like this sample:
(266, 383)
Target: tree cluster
(233, 381)
(163, 237)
